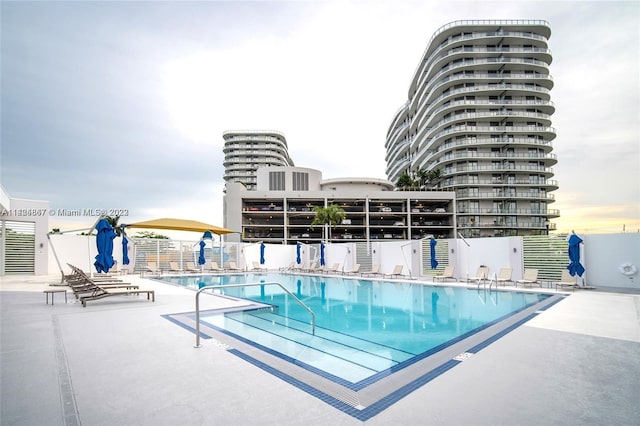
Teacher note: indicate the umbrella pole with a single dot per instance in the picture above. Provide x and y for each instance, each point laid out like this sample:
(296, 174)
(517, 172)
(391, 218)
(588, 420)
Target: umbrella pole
(55, 255)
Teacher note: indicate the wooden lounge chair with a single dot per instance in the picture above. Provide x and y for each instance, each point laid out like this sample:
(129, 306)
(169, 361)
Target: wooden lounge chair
(447, 274)
(481, 275)
(566, 280)
(100, 292)
(504, 276)
(397, 271)
(375, 270)
(530, 277)
(353, 271)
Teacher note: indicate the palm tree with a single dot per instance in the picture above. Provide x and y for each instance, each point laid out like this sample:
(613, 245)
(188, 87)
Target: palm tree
(113, 221)
(405, 182)
(331, 215)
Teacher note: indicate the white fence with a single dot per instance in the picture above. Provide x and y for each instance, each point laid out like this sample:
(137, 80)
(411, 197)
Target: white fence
(602, 255)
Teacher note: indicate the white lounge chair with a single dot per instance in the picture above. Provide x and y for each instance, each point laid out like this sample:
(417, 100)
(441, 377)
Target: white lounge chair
(257, 266)
(397, 271)
(353, 271)
(375, 270)
(504, 276)
(481, 275)
(530, 277)
(331, 270)
(446, 275)
(566, 280)
(191, 267)
(233, 267)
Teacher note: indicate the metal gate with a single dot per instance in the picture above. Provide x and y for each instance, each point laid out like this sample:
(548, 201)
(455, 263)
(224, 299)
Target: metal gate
(17, 247)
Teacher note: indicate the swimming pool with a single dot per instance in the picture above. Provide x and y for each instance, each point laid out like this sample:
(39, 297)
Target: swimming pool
(365, 329)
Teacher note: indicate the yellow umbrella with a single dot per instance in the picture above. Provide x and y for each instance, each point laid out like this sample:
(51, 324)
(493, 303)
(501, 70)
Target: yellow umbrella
(180, 225)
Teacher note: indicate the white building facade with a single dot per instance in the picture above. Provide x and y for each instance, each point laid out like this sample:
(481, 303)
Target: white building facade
(479, 111)
(246, 151)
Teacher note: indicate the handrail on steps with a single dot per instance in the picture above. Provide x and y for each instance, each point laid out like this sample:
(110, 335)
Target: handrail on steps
(492, 280)
(197, 345)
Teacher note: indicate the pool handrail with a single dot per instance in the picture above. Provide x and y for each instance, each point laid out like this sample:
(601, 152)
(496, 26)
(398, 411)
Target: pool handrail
(197, 345)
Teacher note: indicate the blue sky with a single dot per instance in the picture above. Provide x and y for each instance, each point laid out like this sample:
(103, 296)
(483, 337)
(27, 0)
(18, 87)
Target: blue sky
(122, 105)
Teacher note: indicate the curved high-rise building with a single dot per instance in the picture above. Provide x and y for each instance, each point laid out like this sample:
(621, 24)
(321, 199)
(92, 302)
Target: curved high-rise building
(246, 151)
(479, 112)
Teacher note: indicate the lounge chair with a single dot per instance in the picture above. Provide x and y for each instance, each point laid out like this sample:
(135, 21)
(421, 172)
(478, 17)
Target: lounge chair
(300, 267)
(233, 267)
(446, 275)
(566, 280)
(312, 268)
(287, 268)
(174, 267)
(191, 267)
(375, 270)
(258, 267)
(100, 292)
(331, 269)
(397, 272)
(213, 267)
(481, 275)
(153, 268)
(353, 271)
(504, 276)
(530, 277)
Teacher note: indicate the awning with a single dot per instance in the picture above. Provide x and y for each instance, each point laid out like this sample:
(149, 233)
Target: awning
(180, 225)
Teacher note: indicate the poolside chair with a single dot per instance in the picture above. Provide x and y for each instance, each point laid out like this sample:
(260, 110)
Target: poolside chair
(331, 270)
(397, 271)
(257, 266)
(530, 277)
(353, 271)
(566, 280)
(191, 267)
(287, 268)
(213, 267)
(312, 268)
(233, 267)
(153, 268)
(100, 292)
(446, 275)
(504, 276)
(375, 270)
(300, 267)
(174, 267)
(481, 275)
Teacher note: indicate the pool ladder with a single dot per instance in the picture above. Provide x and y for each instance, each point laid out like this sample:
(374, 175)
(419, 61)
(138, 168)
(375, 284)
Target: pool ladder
(492, 281)
(197, 345)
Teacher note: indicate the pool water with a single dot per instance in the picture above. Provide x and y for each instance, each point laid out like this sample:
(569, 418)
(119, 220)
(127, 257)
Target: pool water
(363, 327)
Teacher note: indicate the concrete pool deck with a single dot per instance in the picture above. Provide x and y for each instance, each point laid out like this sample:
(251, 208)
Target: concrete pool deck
(120, 362)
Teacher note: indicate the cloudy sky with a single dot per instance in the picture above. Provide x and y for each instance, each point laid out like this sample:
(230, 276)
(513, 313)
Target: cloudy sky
(122, 105)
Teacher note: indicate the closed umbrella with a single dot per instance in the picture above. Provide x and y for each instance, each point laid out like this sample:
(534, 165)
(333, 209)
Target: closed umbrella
(262, 253)
(322, 254)
(298, 247)
(104, 242)
(125, 250)
(434, 262)
(574, 266)
(201, 259)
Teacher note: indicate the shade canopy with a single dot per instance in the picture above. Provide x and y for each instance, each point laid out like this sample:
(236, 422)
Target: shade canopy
(180, 225)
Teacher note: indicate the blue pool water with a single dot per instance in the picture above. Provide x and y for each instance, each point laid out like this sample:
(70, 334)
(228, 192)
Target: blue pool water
(363, 327)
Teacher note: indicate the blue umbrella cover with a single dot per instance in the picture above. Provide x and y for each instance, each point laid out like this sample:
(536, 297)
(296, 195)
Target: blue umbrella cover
(104, 242)
(125, 250)
(201, 259)
(434, 262)
(574, 266)
(298, 246)
(262, 253)
(322, 254)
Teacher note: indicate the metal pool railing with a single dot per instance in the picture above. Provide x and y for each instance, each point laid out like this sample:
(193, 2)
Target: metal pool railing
(197, 345)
